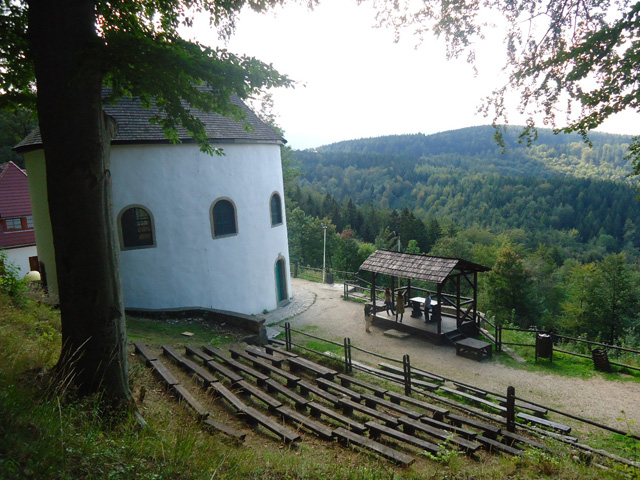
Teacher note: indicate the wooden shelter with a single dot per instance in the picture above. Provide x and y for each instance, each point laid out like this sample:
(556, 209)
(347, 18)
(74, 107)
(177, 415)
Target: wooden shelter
(446, 273)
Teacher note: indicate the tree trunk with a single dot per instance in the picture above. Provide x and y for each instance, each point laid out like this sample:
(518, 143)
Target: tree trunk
(76, 138)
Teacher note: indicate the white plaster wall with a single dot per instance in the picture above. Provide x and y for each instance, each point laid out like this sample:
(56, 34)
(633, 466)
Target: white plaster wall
(19, 257)
(188, 267)
(37, 176)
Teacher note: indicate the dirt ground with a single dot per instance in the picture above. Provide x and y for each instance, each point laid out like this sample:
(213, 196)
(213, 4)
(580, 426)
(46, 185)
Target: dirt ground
(595, 398)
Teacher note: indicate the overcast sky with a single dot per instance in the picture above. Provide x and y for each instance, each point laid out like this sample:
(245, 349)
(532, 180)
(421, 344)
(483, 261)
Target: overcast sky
(355, 82)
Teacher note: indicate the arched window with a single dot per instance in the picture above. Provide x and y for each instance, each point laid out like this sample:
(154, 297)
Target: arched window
(223, 218)
(136, 228)
(276, 210)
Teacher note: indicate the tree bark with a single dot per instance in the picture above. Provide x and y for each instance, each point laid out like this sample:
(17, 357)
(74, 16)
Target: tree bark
(76, 138)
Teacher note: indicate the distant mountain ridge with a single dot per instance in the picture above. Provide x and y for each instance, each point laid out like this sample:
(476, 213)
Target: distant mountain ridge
(461, 176)
(475, 150)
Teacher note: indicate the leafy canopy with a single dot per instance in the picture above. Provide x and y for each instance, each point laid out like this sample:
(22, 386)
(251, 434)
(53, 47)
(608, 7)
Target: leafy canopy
(573, 63)
(140, 52)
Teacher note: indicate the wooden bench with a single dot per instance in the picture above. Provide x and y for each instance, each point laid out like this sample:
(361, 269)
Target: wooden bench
(372, 401)
(461, 431)
(438, 412)
(474, 349)
(224, 428)
(348, 437)
(511, 438)
(400, 378)
(474, 399)
(297, 363)
(491, 445)
(414, 372)
(143, 350)
(261, 378)
(190, 366)
(317, 410)
(212, 365)
(564, 429)
(255, 417)
(325, 384)
(490, 431)
(410, 426)
(163, 372)
(307, 387)
(256, 352)
(280, 351)
(223, 392)
(319, 429)
(265, 368)
(469, 389)
(376, 430)
(185, 395)
(346, 381)
(537, 411)
(255, 392)
(348, 407)
(274, 386)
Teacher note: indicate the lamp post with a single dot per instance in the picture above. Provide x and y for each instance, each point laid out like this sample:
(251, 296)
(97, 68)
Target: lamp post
(324, 253)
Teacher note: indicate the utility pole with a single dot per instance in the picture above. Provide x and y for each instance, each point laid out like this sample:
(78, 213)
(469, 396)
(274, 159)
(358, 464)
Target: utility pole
(324, 253)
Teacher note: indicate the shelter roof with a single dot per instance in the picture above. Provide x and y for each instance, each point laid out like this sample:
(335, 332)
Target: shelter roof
(418, 267)
(135, 127)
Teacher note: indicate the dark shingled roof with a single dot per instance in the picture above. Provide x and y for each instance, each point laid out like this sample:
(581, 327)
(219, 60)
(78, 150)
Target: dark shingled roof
(134, 127)
(418, 267)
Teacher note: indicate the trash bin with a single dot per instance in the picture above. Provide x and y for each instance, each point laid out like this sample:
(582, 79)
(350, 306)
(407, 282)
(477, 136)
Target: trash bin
(329, 278)
(544, 346)
(601, 359)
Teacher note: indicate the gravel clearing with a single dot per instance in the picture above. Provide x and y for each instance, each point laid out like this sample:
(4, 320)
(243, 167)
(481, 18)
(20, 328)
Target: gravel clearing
(594, 398)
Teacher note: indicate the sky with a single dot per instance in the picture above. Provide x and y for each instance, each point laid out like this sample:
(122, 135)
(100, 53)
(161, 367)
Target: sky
(354, 82)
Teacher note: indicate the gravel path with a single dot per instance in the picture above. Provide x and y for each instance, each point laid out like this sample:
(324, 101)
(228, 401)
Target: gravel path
(595, 398)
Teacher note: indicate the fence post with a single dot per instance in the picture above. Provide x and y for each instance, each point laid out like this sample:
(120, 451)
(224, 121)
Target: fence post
(499, 337)
(295, 269)
(348, 368)
(406, 367)
(287, 336)
(511, 409)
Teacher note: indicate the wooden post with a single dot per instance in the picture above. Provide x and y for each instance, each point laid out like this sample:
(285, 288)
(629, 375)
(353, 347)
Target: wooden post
(348, 367)
(295, 269)
(408, 289)
(373, 292)
(511, 409)
(287, 336)
(406, 367)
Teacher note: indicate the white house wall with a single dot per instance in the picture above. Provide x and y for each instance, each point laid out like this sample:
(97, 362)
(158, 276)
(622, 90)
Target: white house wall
(37, 177)
(187, 267)
(19, 258)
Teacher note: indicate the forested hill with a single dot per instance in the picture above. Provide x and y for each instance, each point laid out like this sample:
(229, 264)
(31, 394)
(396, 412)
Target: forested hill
(462, 177)
(475, 150)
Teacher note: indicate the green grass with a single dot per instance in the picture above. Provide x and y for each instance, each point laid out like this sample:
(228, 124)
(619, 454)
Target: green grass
(561, 364)
(157, 332)
(48, 433)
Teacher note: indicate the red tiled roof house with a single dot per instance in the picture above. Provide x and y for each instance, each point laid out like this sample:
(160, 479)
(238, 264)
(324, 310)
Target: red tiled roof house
(17, 237)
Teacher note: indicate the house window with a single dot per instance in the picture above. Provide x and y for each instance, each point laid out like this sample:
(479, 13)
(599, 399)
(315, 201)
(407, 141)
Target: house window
(29, 221)
(136, 228)
(13, 224)
(276, 210)
(223, 218)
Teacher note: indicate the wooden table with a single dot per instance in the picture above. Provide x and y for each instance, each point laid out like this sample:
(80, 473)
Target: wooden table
(473, 349)
(417, 303)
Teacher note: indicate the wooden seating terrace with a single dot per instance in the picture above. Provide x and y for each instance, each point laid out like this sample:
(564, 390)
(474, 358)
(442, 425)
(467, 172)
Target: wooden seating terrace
(308, 387)
(327, 384)
(256, 352)
(351, 437)
(376, 430)
(265, 368)
(297, 363)
(564, 429)
(438, 412)
(315, 427)
(346, 381)
(348, 407)
(373, 401)
(410, 426)
(318, 410)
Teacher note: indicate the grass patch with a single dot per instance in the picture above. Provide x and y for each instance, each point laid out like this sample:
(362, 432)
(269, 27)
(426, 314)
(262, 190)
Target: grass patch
(562, 363)
(47, 433)
(158, 332)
